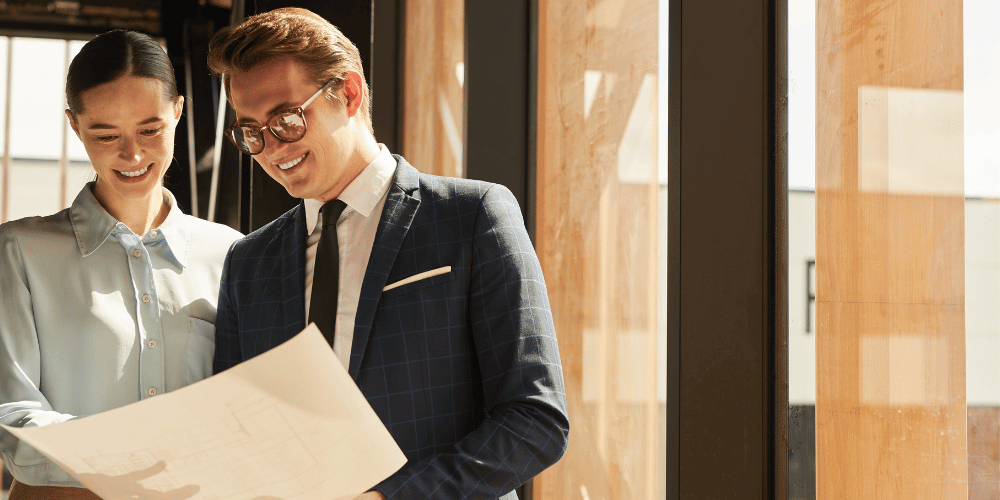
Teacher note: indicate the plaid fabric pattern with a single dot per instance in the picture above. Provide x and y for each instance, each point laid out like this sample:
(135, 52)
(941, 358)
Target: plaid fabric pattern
(462, 368)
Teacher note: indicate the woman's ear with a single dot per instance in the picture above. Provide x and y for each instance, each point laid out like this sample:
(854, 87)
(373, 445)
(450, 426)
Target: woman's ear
(354, 96)
(72, 123)
(178, 107)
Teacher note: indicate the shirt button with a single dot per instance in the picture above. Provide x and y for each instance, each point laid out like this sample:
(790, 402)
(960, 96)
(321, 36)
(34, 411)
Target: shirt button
(145, 298)
(152, 344)
(152, 391)
(137, 253)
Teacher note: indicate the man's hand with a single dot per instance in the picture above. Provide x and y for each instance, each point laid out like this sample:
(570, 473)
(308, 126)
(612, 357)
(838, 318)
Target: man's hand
(370, 495)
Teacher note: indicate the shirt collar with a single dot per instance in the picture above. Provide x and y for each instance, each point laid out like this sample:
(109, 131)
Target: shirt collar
(93, 225)
(175, 231)
(363, 193)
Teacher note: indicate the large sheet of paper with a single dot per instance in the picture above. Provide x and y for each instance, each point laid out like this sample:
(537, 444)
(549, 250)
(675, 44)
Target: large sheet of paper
(288, 424)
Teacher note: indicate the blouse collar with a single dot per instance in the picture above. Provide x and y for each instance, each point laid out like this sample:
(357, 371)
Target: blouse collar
(93, 225)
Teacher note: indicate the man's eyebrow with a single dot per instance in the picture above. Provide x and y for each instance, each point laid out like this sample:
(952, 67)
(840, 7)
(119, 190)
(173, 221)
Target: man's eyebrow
(279, 107)
(106, 126)
(270, 112)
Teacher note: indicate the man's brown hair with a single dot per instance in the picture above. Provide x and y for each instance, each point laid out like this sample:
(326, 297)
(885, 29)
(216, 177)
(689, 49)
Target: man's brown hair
(289, 32)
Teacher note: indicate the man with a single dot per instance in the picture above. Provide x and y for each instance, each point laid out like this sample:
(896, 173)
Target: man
(432, 297)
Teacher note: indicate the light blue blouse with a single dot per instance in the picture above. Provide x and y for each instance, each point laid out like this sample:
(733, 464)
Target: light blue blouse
(94, 317)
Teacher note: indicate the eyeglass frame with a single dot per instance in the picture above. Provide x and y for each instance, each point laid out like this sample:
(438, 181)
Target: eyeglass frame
(298, 110)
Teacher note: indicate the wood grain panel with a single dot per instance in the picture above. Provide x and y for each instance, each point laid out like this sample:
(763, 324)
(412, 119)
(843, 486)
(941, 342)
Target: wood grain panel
(984, 453)
(597, 239)
(433, 122)
(890, 345)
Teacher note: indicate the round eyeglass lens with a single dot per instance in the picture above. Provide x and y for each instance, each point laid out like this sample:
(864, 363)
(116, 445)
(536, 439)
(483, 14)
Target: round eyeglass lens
(248, 139)
(288, 126)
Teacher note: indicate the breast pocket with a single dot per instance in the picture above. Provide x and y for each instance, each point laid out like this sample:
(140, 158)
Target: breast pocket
(408, 286)
(428, 306)
(200, 350)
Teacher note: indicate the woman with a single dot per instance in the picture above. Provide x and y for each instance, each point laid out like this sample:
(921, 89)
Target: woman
(112, 300)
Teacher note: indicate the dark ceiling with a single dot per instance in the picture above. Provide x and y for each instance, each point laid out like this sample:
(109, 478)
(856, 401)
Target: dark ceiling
(88, 16)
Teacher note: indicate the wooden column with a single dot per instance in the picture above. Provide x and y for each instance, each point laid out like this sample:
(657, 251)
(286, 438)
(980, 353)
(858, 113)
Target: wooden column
(890, 253)
(433, 117)
(598, 209)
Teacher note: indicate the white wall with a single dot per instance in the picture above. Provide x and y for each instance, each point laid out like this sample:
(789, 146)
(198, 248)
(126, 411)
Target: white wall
(982, 300)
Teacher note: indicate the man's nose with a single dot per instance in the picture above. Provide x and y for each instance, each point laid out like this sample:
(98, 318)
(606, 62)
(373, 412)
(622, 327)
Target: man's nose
(274, 150)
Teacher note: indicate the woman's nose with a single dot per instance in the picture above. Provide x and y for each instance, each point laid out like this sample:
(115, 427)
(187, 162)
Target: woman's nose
(129, 152)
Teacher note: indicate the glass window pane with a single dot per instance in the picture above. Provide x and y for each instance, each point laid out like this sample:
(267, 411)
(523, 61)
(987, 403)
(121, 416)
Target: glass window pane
(74, 147)
(4, 176)
(982, 245)
(4, 43)
(35, 188)
(38, 102)
(78, 173)
(601, 238)
(894, 250)
(41, 133)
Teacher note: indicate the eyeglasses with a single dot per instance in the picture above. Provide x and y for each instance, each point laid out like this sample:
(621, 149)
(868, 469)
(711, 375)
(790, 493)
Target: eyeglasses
(287, 125)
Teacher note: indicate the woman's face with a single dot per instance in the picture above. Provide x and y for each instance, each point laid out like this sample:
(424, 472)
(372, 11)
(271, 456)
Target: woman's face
(127, 127)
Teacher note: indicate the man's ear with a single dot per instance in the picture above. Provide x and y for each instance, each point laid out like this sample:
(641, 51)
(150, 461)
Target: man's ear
(72, 123)
(353, 95)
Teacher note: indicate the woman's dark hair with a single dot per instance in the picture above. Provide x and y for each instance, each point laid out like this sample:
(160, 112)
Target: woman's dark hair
(113, 54)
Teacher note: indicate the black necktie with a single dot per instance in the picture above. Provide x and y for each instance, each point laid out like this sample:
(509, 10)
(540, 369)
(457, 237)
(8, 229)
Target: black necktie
(326, 275)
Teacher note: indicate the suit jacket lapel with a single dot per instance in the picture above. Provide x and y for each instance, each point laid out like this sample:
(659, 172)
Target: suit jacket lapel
(400, 207)
(292, 276)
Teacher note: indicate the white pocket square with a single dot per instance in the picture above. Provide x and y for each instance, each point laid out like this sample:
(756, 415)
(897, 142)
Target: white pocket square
(418, 277)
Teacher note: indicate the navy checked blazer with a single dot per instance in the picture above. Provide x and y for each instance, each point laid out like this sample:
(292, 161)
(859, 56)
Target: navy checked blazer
(463, 368)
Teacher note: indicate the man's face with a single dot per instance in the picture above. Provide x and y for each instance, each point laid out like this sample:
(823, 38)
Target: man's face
(324, 161)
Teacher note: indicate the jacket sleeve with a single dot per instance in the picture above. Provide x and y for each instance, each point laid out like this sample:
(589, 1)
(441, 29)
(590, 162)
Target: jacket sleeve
(227, 328)
(21, 402)
(527, 428)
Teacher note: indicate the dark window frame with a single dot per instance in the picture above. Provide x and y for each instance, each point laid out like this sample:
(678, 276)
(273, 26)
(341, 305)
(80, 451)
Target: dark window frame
(727, 376)
(501, 104)
(501, 97)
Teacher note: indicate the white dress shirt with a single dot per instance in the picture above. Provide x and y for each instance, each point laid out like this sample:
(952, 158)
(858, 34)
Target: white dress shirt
(365, 198)
(94, 317)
